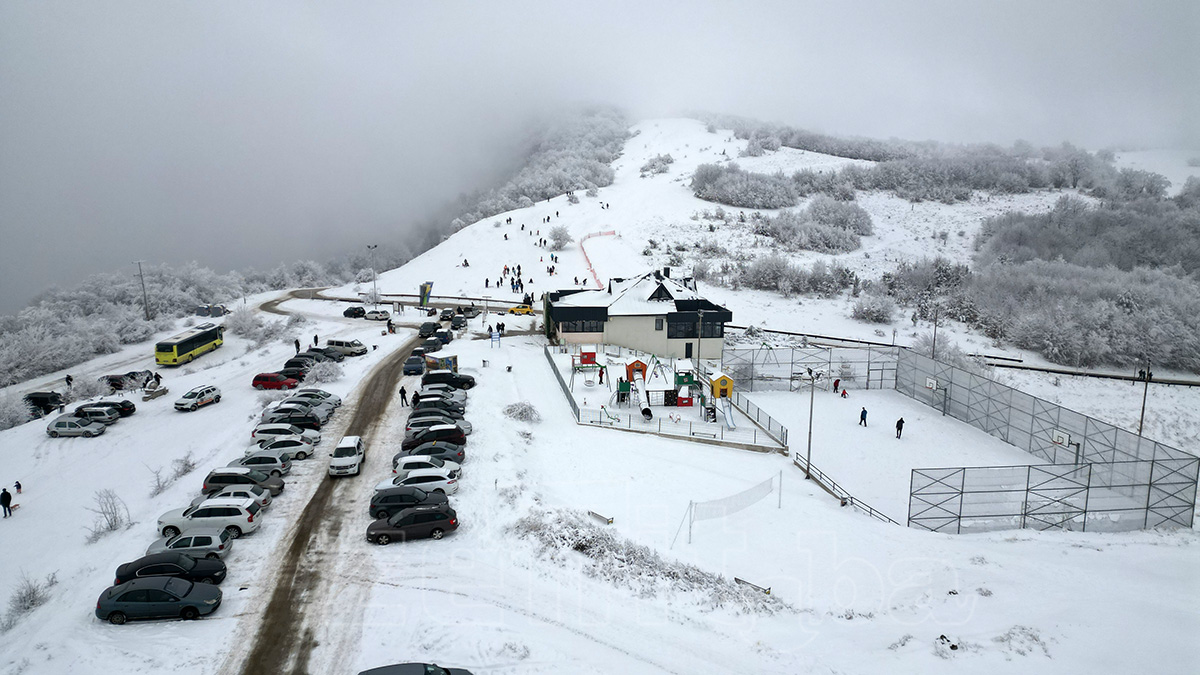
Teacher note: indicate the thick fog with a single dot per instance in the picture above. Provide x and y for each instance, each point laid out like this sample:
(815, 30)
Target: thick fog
(246, 134)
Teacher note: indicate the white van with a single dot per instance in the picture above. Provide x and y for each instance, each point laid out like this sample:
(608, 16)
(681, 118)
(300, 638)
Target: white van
(347, 457)
(347, 347)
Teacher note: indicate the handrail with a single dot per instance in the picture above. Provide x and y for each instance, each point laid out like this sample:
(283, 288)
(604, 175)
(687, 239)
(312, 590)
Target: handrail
(831, 486)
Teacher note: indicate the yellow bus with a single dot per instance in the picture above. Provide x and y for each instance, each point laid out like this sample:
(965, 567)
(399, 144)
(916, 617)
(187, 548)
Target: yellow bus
(189, 344)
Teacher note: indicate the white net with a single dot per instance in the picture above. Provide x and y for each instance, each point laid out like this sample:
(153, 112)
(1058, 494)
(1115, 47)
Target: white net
(719, 508)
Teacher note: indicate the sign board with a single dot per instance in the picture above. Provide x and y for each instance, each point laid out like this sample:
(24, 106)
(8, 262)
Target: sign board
(443, 363)
(426, 292)
(931, 383)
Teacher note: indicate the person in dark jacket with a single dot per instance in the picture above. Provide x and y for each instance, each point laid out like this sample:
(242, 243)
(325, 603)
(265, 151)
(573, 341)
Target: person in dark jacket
(297, 345)
(6, 502)
(899, 427)
(404, 396)
(862, 418)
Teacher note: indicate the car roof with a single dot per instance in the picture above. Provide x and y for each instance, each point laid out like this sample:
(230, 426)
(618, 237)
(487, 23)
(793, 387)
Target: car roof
(227, 501)
(429, 471)
(436, 506)
(210, 531)
(69, 416)
(439, 427)
(153, 558)
(146, 582)
(230, 469)
(348, 440)
(312, 390)
(264, 453)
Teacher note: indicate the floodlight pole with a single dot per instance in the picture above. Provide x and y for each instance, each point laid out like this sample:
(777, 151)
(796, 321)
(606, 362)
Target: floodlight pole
(145, 301)
(699, 337)
(374, 275)
(1145, 391)
(812, 394)
(933, 351)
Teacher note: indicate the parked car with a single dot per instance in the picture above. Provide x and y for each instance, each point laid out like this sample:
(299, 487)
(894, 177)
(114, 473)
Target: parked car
(414, 365)
(273, 463)
(200, 396)
(428, 328)
(269, 431)
(430, 480)
(454, 395)
(431, 345)
(470, 312)
(157, 598)
(416, 522)
(345, 347)
(172, 564)
(444, 432)
(258, 494)
(445, 335)
(420, 420)
(43, 402)
(414, 669)
(332, 354)
(124, 408)
(446, 314)
(418, 351)
(317, 403)
(354, 312)
(106, 416)
(445, 388)
(234, 515)
(389, 502)
(314, 354)
(204, 542)
(70, 425)
(294, 373)
(410, 462)
(295, 447)
(449, 377)
(296, 363)
(450, 452)
(218, 479)
(304, 420)
(346, 459)
(444, 405)
(313, 392)
(277, 408)
(274, 381)
(134, 379)
(521, 309)
(378, 315)
(459, 321)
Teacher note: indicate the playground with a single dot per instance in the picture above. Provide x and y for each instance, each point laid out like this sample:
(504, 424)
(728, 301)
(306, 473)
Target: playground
(616, 387)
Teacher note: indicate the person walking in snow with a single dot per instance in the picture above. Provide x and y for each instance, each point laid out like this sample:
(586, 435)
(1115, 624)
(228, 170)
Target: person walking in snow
(835, 385)
(6, 502)
(69, 381)
(18, 486)
(297, 345)
(899, 427)
(403, 396)
(416, 398)
(157, 379)
(862, 417)
(315, 340)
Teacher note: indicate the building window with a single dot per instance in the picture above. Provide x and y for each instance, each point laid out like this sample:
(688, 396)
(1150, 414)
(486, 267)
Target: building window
(658, 323)
(712, 330)
(681, 330)
(581, 326)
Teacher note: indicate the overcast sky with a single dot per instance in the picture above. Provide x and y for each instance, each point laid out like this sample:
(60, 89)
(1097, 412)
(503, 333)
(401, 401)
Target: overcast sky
(250, 133)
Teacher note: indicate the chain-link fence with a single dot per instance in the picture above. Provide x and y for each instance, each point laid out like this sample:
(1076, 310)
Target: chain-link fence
(768, 368)
(1098, 476)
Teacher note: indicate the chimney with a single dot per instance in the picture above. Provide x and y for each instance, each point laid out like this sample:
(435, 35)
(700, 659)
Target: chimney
(667, 272)
(658, 275)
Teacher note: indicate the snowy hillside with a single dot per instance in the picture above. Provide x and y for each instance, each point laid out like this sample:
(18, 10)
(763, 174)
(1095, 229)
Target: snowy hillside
(527, 584)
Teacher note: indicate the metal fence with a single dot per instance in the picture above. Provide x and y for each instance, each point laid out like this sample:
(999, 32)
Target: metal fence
(1097, 476)
(824, 480)
(768, 368)
(772, 425)
(558, 376)
(695, 430)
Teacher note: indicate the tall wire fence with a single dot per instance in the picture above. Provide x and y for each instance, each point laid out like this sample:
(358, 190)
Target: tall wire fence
(770, 368)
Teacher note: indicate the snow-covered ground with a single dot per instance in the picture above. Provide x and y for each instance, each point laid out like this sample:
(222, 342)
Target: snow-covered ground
(854, 595)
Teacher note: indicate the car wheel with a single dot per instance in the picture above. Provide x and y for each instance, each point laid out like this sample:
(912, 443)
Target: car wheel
(170, 531)
(383, 540)
(301, 456)
(53, 434)
(190, 614)
(277, 473)
(439, 491)
(216, 399)
(259, 387)
(380, 514)
(234, 531)
(208, 580)
(213, 556)
(437, 533)
(117, 618)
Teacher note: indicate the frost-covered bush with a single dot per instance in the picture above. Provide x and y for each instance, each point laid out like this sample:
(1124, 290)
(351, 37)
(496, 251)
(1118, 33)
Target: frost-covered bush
(657, 164)
(84, 388)
(572, 198)
(847, 216)
(874, 309)
(13, 411)
(27, 595)
(732, 186)
(111, 514)
(702, 270)
(560, 236)
(569, 539)
(326, 371)
(522, 411)
(767, 272)
(798, 232)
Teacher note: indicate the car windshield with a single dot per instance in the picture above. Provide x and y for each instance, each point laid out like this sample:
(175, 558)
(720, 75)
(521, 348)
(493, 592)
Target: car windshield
(345, 451)
(257, 476)
(187, 562)
(191, 394)
(437, 462)
(189, 510)
(254, 509)
(178, 587)
(414, 359)
(420, 494)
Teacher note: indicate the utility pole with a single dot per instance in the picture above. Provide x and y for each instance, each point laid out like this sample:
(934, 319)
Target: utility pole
(374, 276)
(933, 351)
(145, 301)
(812, 394)
(699, 338)
(1146, 375)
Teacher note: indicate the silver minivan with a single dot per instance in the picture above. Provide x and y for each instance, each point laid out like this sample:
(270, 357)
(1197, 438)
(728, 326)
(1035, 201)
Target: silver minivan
(347, 347)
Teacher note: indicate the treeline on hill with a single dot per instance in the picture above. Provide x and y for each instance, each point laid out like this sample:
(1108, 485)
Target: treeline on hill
(926, 171)
(573, 153)
(64, 327)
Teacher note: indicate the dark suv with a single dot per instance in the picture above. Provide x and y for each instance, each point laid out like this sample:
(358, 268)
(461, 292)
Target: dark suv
(388, 502)
(413, 523)
(414, 365)
(445, 433)
(44, 402)
(354, 312)
(428, 329)
(217, 479)
(203, 570)
(449, 377)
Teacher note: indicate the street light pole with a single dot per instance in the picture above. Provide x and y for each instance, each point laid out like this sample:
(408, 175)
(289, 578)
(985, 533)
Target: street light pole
(1145, 390)
(374, 275)
(145, 301)
(699, 338)
(812, 394)
(933, 351)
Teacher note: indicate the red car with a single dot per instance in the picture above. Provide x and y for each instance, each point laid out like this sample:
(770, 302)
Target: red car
(274, 381)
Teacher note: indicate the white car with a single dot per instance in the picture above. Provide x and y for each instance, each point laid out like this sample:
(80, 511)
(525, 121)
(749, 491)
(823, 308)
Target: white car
(310, 402)
(313, 392)
(200, 396)
(260, 495)
(235, 515)
(429, 480)
(347, 457)
(377, 315)
(205, 543)
(70, 425)
(269, 431)
(272, 463)
(422, 419)
(297, 446)
(443, 387)
(323, 412)
(411, 462)
(456, 395)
